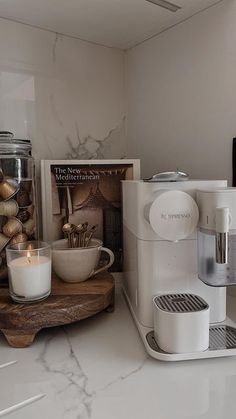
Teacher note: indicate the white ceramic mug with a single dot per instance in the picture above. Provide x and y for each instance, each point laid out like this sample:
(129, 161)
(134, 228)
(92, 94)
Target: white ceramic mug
(78, 264)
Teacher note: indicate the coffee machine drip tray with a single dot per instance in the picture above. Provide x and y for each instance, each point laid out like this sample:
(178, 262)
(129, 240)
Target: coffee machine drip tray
(222, 342)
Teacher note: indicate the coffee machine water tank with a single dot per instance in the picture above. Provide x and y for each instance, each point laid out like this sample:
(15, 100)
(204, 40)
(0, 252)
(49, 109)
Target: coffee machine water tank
(217, 236)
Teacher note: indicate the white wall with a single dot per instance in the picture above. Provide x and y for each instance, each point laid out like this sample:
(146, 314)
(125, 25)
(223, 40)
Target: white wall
(66, 94)
(181, 102)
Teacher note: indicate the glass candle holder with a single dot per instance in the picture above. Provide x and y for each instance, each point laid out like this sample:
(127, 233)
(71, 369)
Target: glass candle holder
(29, 270)
(18, 198)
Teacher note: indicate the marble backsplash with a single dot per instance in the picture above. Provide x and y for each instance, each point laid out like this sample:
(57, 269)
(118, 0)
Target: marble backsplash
(65, 94)
(91, 148)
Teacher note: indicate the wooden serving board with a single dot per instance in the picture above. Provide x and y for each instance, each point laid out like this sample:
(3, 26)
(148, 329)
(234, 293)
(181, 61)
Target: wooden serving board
(67, 303)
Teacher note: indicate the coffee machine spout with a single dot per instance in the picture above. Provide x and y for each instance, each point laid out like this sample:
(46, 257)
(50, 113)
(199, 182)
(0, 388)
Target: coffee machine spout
(222, 235)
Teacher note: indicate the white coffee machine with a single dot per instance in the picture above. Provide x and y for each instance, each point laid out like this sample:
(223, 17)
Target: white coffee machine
(162, 218)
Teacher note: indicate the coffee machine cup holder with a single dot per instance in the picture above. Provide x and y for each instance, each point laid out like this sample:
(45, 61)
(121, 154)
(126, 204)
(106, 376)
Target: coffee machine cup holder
(222, 342)
(181, 323)
(195, 339)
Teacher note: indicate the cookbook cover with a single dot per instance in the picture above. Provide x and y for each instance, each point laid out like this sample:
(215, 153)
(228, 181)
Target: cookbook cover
(76, 191)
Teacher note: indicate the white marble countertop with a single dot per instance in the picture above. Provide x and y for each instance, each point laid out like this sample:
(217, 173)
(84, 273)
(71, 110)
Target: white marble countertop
(99, 369)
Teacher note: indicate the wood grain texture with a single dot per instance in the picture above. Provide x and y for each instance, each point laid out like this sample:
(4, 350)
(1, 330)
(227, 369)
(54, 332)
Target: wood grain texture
(67, 303)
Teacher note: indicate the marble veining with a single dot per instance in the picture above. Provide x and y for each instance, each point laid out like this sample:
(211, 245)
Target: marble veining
(129, 374)
(74, 386)
(54, 46)
(74, 390)
(91, 148)
(98, 369)
(55, 113)
(67, 95)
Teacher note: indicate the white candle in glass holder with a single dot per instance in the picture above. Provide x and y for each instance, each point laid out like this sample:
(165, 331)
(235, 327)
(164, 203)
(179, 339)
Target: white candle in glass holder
(30, 276)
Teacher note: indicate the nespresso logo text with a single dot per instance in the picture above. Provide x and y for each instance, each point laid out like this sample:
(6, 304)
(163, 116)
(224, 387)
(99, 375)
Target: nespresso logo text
(179, 216)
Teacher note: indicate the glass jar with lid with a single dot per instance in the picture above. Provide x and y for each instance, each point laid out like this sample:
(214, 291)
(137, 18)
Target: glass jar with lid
(18, 209)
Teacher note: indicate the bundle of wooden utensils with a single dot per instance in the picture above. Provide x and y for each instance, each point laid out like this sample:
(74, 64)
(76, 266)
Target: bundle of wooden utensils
(79, 235)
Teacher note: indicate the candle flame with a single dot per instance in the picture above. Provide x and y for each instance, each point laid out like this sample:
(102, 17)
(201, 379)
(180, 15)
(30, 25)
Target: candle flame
(29, 256)
(28, 248)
